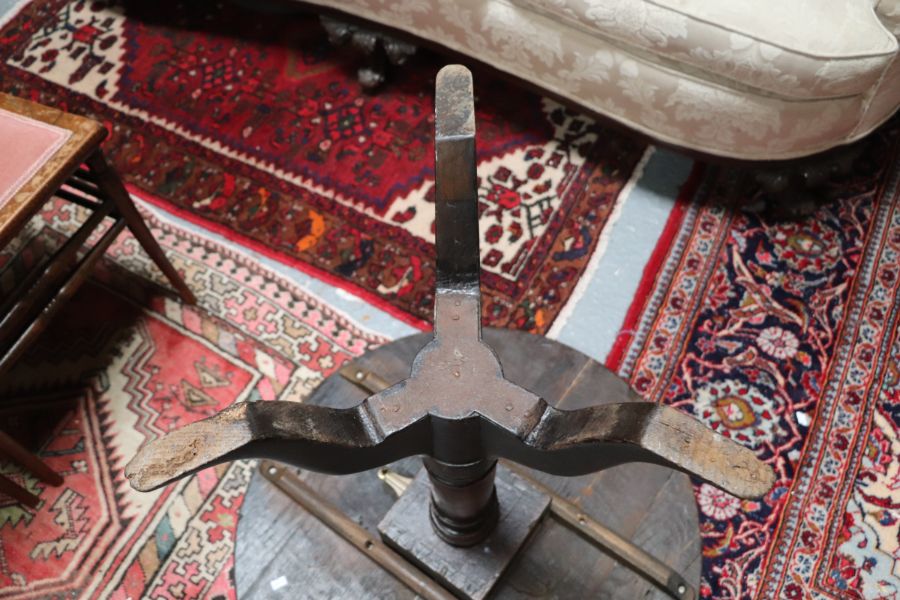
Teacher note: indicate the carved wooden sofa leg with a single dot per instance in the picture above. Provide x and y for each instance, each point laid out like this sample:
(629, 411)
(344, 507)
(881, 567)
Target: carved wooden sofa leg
(380, 50)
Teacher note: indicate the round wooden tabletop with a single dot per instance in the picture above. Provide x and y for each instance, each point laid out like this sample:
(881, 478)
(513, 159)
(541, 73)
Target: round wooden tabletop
(284, 552)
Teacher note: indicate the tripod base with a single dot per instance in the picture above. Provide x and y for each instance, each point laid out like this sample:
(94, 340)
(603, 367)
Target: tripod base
(281, 544)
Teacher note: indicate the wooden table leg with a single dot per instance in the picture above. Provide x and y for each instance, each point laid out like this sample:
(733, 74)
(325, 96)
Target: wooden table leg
(16, 491)
(109, 183)
(11, 449)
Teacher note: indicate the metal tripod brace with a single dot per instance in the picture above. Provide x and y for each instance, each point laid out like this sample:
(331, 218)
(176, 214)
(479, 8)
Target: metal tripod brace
(456, 409)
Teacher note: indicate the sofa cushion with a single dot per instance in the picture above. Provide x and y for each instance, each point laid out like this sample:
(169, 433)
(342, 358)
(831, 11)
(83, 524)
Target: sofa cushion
(801, 49)
(669, 101)
(889, 13)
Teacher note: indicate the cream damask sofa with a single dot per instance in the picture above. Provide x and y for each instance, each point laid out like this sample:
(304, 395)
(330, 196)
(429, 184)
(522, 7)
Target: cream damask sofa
(749, 79)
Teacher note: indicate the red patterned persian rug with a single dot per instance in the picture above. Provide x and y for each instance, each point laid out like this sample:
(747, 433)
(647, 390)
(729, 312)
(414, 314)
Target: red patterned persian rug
(153, 366)
(784, 337)
(780, 335)
(255, 126)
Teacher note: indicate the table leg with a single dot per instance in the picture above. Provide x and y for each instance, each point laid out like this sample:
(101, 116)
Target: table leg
(108, 182)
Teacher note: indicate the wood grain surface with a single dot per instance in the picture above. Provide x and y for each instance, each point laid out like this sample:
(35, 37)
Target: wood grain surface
(283, 552)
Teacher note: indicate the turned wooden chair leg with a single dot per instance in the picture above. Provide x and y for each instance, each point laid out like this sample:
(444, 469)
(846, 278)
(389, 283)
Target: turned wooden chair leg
(17, 492)
(12, 450)
(108, 182)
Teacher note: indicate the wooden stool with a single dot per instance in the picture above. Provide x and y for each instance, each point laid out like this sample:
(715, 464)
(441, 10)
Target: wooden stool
(47, 153)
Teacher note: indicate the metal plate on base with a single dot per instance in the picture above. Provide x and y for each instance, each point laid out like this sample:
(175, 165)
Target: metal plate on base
(467, 572)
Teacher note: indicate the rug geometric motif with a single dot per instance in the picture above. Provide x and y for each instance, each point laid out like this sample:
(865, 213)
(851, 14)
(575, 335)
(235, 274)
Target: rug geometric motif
(254, 125)
(150, 370)
(783, 337)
